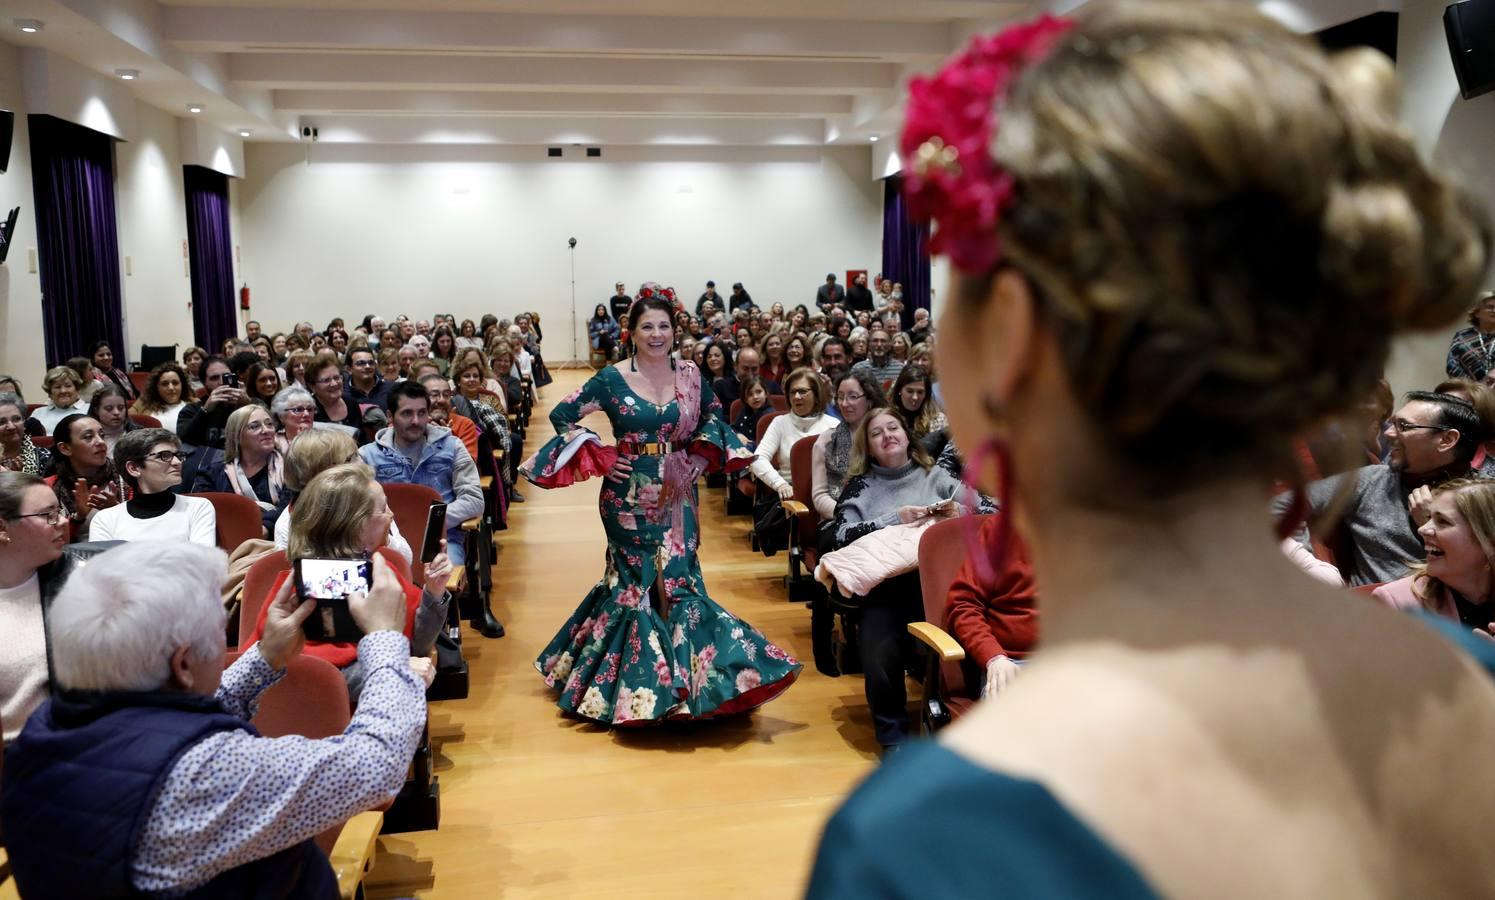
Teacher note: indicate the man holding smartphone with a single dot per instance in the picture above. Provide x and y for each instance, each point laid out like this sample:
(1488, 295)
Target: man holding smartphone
(202, 423)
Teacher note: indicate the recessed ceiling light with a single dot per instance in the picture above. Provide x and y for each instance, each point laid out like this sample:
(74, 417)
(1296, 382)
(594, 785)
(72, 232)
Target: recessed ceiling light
(245, 132)
(127, 74)
(873, 139)
(30, 26)
(194, 107)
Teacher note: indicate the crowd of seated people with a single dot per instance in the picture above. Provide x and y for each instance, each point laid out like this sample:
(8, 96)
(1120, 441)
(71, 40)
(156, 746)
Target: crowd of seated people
(287, 421)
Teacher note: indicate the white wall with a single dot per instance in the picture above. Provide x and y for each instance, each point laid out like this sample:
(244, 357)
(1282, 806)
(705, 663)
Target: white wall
(21, 351)
(478, 229)
(152, 224)
(1459, 135)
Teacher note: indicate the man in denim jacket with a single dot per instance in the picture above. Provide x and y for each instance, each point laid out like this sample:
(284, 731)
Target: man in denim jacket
(414, 451)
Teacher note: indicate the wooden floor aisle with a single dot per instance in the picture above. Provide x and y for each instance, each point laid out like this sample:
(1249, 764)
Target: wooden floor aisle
(534, 805)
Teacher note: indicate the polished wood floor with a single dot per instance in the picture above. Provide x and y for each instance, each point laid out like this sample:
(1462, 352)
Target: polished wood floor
(534, 805)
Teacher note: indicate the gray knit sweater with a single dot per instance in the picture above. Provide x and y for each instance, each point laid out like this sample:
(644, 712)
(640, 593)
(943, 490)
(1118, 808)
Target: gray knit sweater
(1375, 516)
(871, 501)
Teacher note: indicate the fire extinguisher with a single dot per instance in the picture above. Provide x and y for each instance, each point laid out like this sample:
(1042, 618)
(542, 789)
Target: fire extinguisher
(244, 297)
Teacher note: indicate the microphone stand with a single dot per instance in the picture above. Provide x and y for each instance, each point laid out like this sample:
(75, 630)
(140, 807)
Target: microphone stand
(575, 360)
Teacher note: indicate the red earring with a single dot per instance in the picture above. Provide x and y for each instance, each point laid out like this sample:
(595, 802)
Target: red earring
(988, 559)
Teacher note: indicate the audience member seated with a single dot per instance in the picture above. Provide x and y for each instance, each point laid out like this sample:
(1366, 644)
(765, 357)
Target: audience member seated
(102, 357)
(879, 359)
(891, 481)
(775, 367)
(412, 450)
(1482, 398)
(439, 391)
(1433, 437)
(602, 331)
(335, 406)
(835, 357)
(33, 531)
(365, 384)
(911, 393)
(249, 464)
(17, 452)
(262, 383)
(164, 396)
(62, 386)
(295, 367)
(992, 610)
(443, 348)
(747, 365)
(83, 477)
(192, 362)
(146, 757)
(111, 407)
(295, 412)
(755, 406)
(202, 423)
(1472, 350)
(1456, 581)
(343, 514)
(806, 418)
(310, 455)
(87, 377)
(150, 461)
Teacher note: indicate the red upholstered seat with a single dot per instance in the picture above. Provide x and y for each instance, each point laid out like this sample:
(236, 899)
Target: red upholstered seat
(238, 519)
(942, 551)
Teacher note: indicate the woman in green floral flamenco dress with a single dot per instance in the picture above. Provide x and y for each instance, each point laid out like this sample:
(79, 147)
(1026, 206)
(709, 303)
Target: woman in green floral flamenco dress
(647, 644)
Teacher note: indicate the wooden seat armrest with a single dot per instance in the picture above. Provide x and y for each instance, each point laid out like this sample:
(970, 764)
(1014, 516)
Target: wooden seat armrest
(498, 456)
(935, 638)
(794, 508)
(472, 524)
(454, 580)
(485, 481)
(354, 851)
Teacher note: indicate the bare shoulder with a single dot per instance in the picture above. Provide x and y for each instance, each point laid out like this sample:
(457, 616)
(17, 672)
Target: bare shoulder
(1239, 763)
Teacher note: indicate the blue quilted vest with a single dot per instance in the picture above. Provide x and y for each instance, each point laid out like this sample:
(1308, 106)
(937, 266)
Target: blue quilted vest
(79, 784)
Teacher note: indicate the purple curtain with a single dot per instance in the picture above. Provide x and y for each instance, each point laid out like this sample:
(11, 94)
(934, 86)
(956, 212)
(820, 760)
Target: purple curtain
(211, 255)
(72, 177)
(905, 254)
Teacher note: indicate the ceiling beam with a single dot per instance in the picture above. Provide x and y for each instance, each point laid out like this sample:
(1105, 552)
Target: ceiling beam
(407, 72)
(215, 29)
(496, 103)
(564, 132)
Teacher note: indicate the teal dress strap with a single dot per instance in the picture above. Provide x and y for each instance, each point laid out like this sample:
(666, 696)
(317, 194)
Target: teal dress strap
(930, 824)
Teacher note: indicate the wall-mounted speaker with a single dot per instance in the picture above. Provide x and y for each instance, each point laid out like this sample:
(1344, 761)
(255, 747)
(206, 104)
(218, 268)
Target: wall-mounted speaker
(7, 128)
(1470, 27)
(553, 152)
(594, 152)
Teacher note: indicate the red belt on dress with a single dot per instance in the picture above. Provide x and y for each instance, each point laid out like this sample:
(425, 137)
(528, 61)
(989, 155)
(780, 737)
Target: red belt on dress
(652, 448)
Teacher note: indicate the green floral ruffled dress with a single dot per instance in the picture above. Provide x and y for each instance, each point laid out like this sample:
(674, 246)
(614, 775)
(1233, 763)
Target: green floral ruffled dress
(619, 658)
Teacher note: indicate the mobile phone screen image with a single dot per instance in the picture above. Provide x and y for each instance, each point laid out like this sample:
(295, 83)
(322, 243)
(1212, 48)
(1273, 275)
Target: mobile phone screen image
(330, 582)
(435, 531)
(230, 380)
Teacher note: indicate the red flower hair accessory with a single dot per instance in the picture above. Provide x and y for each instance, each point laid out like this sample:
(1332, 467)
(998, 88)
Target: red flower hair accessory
(949, 174)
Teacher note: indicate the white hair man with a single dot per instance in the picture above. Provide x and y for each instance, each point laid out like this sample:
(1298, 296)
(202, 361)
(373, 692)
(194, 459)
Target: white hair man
(145, 756)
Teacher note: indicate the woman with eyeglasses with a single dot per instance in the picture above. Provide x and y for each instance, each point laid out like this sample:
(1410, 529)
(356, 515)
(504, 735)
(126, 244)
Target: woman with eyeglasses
(150, 461)
(294, 409)
(324, 378)
(17, 452)
(249, 464)
(33, 532)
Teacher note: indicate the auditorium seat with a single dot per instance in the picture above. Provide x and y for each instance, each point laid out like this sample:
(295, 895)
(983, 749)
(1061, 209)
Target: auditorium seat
(238, 519)
(145, 421)
(804, 553)
(140, 379)
(951, 687)
(312, 701)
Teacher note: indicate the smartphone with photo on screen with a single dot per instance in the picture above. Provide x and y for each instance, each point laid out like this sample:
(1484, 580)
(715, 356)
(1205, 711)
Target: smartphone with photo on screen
(330, 582)
(435, 531)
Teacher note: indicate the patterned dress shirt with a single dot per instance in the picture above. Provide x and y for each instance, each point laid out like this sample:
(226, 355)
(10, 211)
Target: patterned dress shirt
(233, 798)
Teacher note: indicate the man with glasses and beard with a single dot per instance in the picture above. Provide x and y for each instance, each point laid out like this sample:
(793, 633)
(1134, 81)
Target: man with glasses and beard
(1433, 438)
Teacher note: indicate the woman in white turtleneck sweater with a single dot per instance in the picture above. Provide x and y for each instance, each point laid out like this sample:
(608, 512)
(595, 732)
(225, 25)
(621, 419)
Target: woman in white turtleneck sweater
(806, 418)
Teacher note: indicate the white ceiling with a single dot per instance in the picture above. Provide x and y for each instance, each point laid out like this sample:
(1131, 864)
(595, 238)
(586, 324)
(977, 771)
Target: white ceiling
(643, 72)
(646, 72)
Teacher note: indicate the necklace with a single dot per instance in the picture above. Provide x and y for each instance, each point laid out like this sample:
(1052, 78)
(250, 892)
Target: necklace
(1480, 336)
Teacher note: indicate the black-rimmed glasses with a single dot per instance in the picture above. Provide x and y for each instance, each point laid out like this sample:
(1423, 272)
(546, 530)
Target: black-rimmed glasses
(166, 456)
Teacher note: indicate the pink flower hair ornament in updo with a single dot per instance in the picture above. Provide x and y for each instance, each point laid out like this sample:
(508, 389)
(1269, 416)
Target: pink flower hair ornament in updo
(950, 177)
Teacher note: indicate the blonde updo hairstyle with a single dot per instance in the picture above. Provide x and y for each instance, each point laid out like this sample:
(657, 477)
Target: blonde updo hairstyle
(1223, 228)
